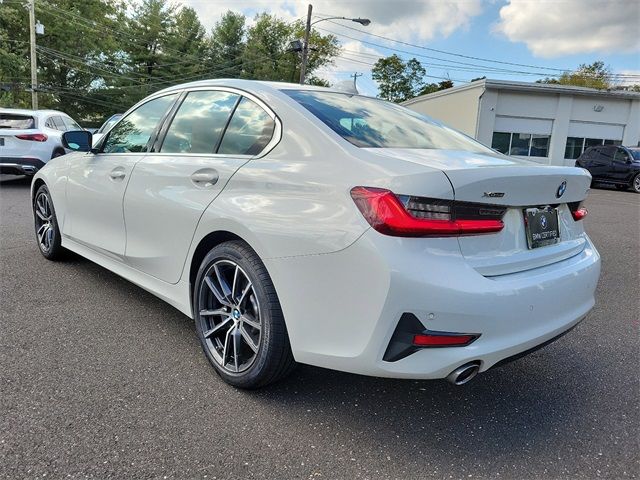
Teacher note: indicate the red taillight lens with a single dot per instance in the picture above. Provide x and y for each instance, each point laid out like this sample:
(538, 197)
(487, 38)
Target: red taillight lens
(579, 214)
(34, 137)
(442, 340)
(387, 214)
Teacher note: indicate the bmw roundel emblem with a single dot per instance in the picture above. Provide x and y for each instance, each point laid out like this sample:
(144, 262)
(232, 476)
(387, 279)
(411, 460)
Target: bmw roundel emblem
(561, 189)
(543, 222)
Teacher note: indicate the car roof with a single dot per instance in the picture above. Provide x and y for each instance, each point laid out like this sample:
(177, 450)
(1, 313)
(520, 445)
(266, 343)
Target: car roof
(254, 86)
(24, 111)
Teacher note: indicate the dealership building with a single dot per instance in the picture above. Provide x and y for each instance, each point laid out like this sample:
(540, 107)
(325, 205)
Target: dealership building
(550, 124)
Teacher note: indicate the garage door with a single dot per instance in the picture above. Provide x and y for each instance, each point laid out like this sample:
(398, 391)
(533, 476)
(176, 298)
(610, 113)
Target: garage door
(596, 130)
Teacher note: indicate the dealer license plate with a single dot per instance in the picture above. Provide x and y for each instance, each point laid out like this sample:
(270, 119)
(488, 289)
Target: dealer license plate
(542, 226)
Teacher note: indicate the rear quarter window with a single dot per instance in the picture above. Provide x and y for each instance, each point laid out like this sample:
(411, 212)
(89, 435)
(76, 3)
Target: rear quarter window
(249, 130)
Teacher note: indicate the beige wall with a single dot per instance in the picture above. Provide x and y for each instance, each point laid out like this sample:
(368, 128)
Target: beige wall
(459, 111)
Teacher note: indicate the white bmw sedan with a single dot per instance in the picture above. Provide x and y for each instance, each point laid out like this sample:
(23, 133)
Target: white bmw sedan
(303, 224)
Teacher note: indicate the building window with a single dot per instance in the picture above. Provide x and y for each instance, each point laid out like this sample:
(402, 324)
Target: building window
(521, 144)
(577, 145)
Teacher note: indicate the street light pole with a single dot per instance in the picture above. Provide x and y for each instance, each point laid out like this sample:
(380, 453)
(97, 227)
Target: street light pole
(305, 45)
(307, 33)
(34, 67)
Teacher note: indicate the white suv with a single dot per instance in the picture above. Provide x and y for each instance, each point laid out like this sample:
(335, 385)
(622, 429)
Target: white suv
(30, 138)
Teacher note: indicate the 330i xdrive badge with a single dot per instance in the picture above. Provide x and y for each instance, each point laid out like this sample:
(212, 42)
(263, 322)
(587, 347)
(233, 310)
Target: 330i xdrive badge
(304, 224)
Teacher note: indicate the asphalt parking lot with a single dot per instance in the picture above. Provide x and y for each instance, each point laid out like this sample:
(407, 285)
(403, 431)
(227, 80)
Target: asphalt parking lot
(100, 379)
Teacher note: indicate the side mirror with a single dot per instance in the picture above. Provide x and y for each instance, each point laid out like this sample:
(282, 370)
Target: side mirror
(77, 140)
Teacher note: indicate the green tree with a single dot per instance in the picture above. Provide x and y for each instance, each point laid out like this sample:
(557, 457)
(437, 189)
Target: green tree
(398, 80)
(268, 55)
(68, 68)
(436, 87)
(99, 57)
(14, 50)
(596, 75)
(226, 45)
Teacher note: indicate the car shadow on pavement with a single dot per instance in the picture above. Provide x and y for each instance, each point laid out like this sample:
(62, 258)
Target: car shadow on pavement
(504, 410)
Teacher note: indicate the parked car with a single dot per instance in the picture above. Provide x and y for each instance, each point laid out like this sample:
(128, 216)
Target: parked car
(619, 166)
(111, 121)
(304, 224)
(30, 138)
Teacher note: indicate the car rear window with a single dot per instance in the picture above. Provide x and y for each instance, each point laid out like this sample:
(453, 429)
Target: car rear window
(17, 122)
(373, 123)
(635, 153)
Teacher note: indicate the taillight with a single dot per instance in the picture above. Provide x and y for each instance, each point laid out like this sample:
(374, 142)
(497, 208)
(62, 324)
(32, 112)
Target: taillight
(409, 216)
(578, 212)
(34, 137)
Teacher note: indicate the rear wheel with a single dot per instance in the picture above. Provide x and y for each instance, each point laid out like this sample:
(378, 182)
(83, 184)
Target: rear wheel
(636, 183)
(46, 225)
(238, 318)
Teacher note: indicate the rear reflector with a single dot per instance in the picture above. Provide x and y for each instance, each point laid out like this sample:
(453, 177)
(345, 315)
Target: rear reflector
(579, 214)
(34, 137)
(442, 340)
(421, 217)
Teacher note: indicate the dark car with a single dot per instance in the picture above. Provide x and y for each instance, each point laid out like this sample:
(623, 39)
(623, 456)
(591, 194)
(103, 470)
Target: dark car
(619, 166)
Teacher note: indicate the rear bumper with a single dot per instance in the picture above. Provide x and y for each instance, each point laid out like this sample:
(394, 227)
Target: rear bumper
(342, 308)
(20, 165)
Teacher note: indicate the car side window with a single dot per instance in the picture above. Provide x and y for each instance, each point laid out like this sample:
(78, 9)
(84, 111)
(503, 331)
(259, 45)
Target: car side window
(199, 122)
(249, 130)
(59, 124)
(606, 155)
(621, 156)
(71, 123)
(49, 123)
(133, 132)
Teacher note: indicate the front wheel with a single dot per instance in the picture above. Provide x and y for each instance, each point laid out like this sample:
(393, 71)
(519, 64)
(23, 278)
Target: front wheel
(636, 183)
(238, 318)
(46, 225)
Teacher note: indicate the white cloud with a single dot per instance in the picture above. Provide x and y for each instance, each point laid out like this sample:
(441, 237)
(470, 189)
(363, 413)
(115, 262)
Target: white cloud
(552, 29)
(401, 19)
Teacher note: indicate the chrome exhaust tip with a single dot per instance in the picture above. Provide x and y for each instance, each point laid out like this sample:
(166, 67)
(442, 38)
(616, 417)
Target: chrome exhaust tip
(464, 374)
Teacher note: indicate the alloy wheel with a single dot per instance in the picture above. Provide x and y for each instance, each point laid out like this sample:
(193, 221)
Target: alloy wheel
(229, 315)
(636, 183)
(45, 230)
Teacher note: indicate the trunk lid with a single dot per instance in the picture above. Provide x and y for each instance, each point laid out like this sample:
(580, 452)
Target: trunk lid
(518, 185)
(10, 146)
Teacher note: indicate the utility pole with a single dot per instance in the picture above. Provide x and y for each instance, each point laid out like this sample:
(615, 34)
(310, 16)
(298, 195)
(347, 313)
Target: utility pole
(32, 40)
(355, 78)
(305, 46)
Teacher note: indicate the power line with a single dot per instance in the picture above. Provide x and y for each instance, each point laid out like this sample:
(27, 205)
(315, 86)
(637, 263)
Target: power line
(476, 67)
(444, 52)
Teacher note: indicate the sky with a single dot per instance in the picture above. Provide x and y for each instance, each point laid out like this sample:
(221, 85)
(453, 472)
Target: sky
(465, 39)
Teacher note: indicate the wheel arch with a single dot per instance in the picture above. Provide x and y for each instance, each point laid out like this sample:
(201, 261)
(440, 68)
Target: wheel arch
(37, 183)
(205, 245)
(57, 149)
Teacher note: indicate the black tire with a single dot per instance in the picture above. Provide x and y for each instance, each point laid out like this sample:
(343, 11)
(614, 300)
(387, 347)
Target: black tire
(57, 153)
(46, 225)
(246, 368)
(635, 183)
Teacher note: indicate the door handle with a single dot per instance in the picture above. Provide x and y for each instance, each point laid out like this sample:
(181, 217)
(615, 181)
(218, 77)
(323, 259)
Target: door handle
(206, 177)
(117, 173)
